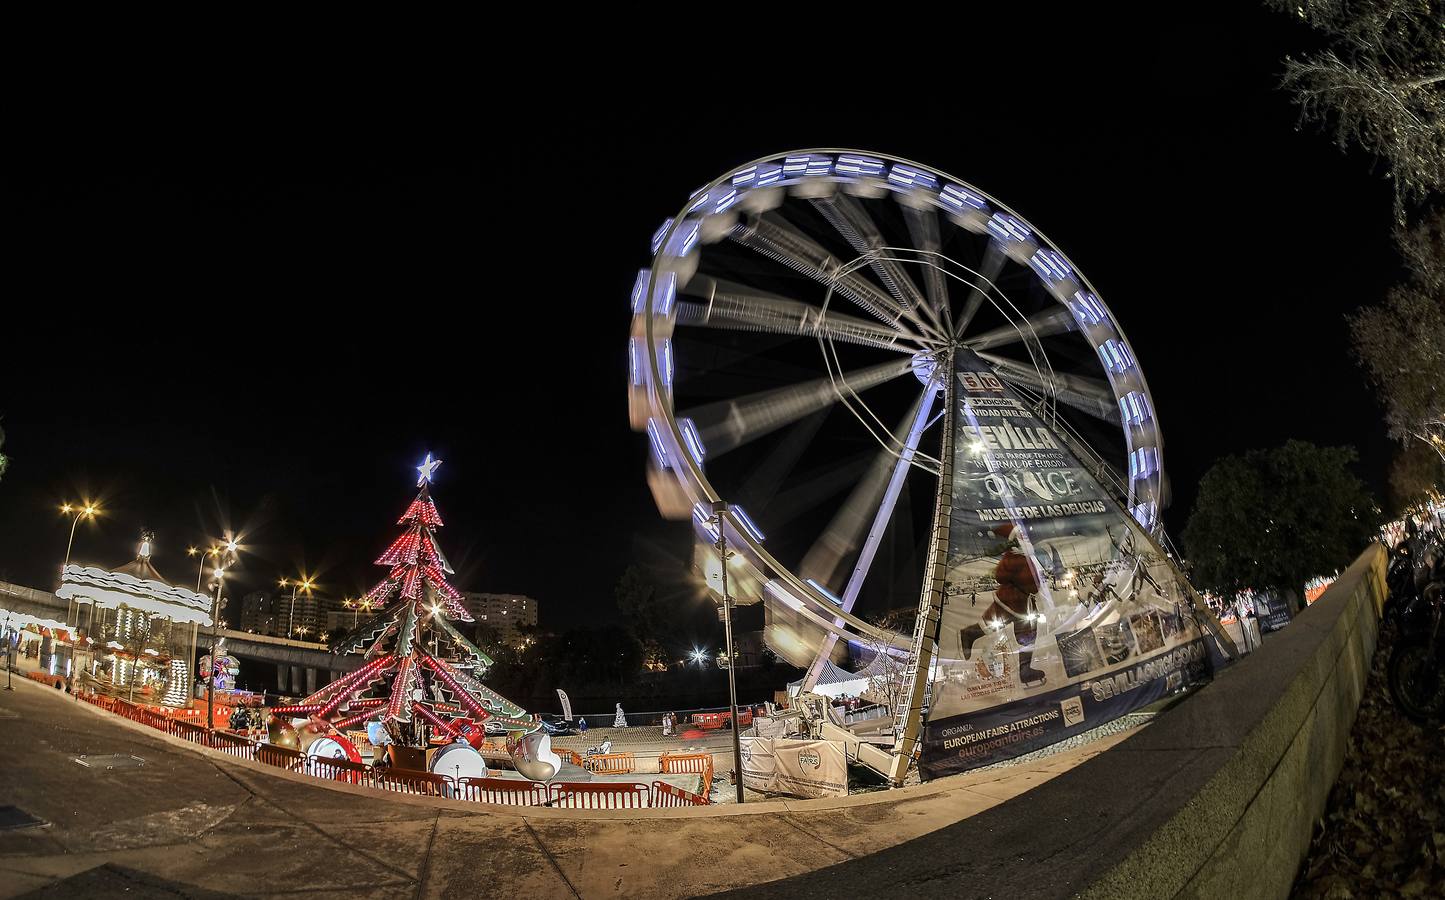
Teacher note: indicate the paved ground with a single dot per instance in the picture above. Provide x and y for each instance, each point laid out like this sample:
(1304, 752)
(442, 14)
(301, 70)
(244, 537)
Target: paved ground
(191, 823)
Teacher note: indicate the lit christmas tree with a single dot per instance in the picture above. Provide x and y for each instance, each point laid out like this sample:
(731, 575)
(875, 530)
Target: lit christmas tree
(399, 681)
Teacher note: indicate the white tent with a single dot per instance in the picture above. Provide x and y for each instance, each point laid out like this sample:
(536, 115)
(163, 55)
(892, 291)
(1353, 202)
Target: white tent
(834, 681)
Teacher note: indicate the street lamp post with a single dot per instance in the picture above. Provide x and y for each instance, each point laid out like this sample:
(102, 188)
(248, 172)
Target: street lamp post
(211, 669)
(9, 653)
(301, 584)
(719, 510)
(87, 510)
(213, 552)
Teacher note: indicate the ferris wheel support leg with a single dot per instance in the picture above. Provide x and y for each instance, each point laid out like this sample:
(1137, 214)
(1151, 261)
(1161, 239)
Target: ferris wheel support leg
(875, 534)
(908, 718)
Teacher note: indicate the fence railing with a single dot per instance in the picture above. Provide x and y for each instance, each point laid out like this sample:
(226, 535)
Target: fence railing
(504, 791)
(232, 744)
(407, 781)
(664, 794)
(604, 795)
(610, 763)
(281, 757)
(699, 764)
(339, 770)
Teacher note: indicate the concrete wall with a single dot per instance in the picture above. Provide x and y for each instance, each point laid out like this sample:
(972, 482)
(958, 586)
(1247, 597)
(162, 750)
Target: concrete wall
(1216, 798)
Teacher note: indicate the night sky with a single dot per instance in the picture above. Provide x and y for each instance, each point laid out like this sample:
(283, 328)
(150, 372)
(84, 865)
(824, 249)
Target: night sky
(216, 318)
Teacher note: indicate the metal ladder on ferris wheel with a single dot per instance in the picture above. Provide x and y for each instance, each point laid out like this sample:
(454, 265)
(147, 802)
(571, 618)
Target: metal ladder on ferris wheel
(908, 717)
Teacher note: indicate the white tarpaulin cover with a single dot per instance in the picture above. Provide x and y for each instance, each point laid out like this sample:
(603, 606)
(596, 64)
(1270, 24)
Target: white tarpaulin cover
(799, 768)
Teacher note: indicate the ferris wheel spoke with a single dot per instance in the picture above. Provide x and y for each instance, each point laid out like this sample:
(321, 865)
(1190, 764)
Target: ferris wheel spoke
(1052, 321)
(993, 260)
(923, 229)
(1087, 395)
(778, 240)
(846, 532)
(731, 423)
(737, 308)
(852, 221)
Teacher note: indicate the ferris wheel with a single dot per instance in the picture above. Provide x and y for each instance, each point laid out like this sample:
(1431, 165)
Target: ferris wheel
(785, 347)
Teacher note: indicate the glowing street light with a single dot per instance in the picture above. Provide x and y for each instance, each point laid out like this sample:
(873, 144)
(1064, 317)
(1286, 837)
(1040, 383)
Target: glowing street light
(82, 511)
(697, 655)
(302, 584)
(86, 510)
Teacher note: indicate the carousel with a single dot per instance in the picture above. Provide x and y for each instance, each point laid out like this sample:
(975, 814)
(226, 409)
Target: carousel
(137, 637)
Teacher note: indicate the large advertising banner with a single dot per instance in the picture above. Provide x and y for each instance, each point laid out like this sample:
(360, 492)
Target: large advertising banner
(1060, 614)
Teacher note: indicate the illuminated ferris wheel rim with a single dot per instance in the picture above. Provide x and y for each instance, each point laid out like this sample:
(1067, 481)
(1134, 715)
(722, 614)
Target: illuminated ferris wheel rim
(869, 174)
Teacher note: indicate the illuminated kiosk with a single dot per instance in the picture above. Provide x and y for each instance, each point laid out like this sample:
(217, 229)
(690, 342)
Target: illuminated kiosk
(137, 629)
(1016, 477)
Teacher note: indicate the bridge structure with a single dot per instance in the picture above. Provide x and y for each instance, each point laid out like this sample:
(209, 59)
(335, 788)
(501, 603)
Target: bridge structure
(301, 666)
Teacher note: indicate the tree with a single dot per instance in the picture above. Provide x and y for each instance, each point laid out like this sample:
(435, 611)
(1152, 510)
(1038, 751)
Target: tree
(886, 669)
(400, 680)
(1401, 342)
(1415, 473)
(1275, 518)
(650, 617)
(4, 460)
(1380, 82)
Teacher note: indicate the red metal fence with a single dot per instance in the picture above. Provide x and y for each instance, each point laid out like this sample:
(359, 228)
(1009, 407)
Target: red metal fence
(600, 795)
(506, 791)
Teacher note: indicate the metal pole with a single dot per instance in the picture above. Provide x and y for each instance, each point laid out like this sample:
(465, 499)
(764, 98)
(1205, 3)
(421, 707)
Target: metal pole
(65, 565)
(191, 662)
(291, 619)
(719, 509)
(9, 654)
(211, 669)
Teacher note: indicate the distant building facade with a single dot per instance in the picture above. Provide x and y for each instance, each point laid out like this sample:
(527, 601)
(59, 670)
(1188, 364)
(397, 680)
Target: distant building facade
(502, 616)
(258, 614)
(264, 612)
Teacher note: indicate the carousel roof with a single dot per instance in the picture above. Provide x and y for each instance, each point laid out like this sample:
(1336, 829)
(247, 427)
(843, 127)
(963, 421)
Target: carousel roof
(136, 585)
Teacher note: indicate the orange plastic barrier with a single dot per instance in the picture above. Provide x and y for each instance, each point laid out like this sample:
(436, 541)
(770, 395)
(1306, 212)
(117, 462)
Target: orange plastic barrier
(688, 764)
(664, 794)
(711, 720)
(57, 680)
(610, 763)
(683, 763)
(601, 796)
(506, 791)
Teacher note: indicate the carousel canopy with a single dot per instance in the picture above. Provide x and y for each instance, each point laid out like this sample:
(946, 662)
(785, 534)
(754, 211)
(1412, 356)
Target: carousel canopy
(136, 585)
